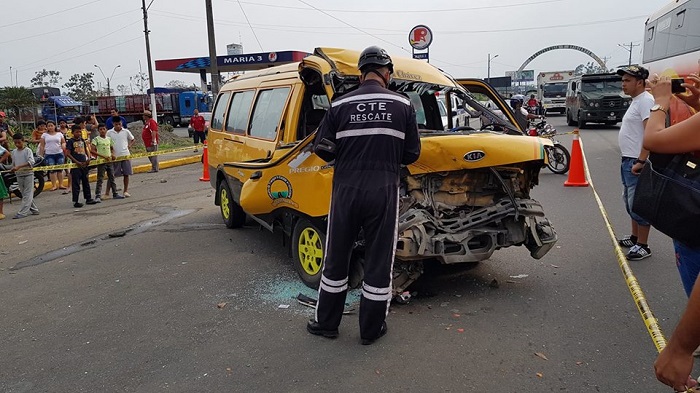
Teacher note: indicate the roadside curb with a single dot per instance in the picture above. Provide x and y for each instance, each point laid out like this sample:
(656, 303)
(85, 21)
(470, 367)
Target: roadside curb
(146, 167)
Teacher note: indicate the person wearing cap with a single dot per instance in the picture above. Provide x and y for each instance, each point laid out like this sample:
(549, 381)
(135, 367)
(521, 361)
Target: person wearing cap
(369, 132)
(5, 132)
(150, 138)
(634, 156)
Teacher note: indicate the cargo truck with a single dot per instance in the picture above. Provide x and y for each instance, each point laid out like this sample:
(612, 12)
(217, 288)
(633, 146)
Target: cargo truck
(551, 90)
(173, 108)
(595, 98)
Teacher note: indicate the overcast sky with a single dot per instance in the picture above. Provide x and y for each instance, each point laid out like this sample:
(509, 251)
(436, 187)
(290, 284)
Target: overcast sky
(71, 36)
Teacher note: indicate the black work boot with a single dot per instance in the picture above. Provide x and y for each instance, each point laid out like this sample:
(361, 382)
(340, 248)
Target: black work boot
(315, 328)
(382, 332)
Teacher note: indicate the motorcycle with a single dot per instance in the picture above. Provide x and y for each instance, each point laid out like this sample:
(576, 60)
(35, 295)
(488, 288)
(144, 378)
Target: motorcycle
(10, 178)
(558, 156)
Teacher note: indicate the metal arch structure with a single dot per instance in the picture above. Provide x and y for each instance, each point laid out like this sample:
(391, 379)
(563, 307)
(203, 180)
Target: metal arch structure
(563, 46)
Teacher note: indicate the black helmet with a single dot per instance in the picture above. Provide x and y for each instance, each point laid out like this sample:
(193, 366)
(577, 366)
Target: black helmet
(376, 56)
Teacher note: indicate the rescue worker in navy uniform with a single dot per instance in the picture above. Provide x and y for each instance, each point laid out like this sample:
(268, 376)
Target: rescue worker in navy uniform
(370, 133)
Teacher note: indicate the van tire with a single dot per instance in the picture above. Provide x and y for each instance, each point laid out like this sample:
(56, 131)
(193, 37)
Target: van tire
(308, 247)
(581, 123)
(231, 212)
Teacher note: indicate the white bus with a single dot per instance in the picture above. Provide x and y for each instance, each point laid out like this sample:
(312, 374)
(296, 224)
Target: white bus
(672, 39)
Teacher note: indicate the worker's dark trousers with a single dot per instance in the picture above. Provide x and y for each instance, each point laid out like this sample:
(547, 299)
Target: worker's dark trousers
(375, 211)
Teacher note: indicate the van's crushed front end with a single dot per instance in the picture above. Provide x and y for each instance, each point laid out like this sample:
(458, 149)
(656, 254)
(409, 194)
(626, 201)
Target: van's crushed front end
(468, 196)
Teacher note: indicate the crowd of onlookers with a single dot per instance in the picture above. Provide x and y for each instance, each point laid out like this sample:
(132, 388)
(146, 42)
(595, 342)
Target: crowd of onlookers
(79, 143)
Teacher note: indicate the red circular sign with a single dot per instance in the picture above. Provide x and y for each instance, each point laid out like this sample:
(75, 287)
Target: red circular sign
(420, 37)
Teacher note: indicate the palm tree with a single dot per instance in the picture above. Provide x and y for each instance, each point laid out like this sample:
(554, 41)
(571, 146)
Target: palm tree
(14, 99)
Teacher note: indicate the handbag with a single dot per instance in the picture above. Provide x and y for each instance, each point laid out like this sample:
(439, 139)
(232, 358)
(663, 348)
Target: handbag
(668, 196)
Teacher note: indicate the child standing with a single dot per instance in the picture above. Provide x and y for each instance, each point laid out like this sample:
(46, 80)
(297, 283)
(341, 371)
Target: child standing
(76, 150)
(23, 160)
(103, 147)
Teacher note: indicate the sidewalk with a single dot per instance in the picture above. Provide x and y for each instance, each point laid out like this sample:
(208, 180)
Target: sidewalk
(142, 164)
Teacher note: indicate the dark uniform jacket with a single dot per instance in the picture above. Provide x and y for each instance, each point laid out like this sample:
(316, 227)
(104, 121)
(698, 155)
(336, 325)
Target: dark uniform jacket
(374, 131)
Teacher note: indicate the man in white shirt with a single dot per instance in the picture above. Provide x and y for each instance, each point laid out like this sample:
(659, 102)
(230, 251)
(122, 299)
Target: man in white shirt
(123, 139)
(633, 155)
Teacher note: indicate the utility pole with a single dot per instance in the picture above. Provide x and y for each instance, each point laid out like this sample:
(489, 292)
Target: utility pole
(212, 50)
(628, 48)
(488, 69)
(148, 57)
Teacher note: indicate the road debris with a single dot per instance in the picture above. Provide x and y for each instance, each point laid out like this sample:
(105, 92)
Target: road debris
(520, 276)
(23, 241)
(494, 283)
(541, 355)
(283, 306)
(221, 305)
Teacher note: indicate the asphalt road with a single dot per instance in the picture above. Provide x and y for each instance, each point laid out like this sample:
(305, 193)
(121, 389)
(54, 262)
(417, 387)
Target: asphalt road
(153, 293)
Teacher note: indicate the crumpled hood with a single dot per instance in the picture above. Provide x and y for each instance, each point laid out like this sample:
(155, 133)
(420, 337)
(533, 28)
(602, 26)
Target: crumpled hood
(457, 151)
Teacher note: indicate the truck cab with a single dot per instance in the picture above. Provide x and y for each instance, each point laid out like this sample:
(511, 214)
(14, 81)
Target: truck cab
(58, 108)
(551, 90)
(189, 101)
(595, 98)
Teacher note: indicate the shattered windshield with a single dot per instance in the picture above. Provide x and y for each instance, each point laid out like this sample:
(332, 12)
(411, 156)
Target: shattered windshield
(430, 115)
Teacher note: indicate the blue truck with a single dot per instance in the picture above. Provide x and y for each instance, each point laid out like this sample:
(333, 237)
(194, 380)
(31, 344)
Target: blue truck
(54, 106)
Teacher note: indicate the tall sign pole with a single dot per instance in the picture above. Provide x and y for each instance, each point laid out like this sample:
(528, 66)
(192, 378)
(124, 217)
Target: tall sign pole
(420, 38)
(212, 50)
(148, 57)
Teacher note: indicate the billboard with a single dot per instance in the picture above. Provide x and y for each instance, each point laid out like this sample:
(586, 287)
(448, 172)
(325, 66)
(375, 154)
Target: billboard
(522, 76)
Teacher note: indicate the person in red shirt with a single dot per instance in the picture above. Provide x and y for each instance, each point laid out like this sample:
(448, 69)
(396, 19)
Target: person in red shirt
(150, 138)
(198, 123)
(533, 104)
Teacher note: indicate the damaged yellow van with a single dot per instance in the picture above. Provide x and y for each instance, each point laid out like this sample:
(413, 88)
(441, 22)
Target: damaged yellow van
(465, 197)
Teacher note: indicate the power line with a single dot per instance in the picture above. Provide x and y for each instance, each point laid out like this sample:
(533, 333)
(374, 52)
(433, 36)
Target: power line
(66, 28)
(120, 29)
(356, 28)
(251, 27)
(49, 15)
(407, 11)
(392, 32)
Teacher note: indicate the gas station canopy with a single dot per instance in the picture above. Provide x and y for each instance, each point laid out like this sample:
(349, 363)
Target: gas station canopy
(231, 63)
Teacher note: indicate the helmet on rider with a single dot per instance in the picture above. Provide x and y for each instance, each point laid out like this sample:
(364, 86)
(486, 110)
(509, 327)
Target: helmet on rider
(374, 57)
(515, 100)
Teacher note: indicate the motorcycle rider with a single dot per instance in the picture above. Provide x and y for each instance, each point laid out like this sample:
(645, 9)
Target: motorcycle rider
(522, 116)
(370, 133)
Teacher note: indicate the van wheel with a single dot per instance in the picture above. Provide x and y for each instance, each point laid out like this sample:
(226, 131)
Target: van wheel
(569, 120)
(581, 122)
(231, 212)
(308, 245)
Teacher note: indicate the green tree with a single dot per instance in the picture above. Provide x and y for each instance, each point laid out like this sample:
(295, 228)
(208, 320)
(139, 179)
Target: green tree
(15, 99)
(46, 78)
(141, 82)
(177, 84)
(590, 68)
(81, 86)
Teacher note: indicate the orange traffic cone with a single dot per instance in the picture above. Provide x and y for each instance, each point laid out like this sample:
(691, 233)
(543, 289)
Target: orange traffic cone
(205, 162)
(577, 175)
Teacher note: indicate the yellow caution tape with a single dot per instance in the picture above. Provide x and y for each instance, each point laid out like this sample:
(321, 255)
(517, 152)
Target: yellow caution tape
(95, 162)
(650, 322)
